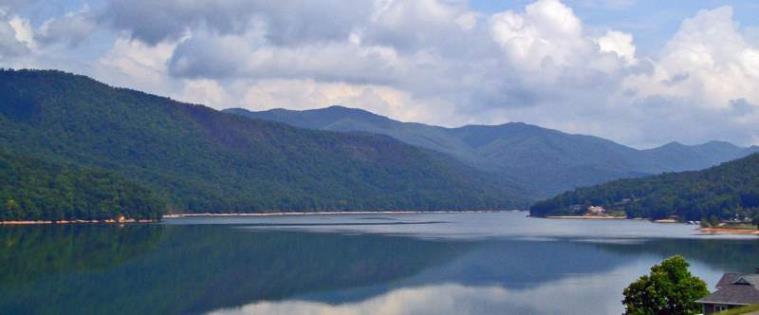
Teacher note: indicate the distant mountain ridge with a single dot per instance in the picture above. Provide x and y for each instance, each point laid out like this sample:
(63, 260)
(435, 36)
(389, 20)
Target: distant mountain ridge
(545, 160)
(202, 160)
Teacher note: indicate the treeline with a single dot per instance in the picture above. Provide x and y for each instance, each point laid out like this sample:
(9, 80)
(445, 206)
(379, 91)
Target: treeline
(202, 160)
(727, 191)
(32, 189)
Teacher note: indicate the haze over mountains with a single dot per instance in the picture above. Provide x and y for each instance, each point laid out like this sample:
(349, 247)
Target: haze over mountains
(543, 160)
(199, 159)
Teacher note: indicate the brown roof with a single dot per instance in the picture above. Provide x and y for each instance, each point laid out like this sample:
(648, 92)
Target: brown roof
(736, 289)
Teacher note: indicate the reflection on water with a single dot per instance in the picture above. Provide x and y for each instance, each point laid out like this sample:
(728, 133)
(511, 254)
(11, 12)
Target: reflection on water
(289, 265)
(586, 295)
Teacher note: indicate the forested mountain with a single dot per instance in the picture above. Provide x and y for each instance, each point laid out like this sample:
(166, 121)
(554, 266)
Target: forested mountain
(545, 160)
(199, 159)
(730, 190)
(32, 189)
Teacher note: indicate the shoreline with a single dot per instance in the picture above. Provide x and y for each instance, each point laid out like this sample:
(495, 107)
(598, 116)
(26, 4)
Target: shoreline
(301, 213)
(728, 231)
(237, 214)
(606, 217)
(51, 222)
(585, 217)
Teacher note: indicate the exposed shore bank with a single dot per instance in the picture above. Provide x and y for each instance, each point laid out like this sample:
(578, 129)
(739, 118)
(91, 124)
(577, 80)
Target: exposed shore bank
(728, 230)
(109, 221)
(287, 213)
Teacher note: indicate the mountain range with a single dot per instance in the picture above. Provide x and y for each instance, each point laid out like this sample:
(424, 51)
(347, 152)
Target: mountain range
(544, 161)
(143, 152)
(201, 160)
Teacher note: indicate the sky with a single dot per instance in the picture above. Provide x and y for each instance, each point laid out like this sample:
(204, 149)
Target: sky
(642, 73)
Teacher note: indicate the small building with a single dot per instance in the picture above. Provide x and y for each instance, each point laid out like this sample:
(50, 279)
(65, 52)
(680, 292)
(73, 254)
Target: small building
(596, 210)
(733, 290)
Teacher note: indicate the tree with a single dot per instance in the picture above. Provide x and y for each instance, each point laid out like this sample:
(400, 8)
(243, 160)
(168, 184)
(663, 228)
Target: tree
(11, 205)
(668, 289)
(714, 221)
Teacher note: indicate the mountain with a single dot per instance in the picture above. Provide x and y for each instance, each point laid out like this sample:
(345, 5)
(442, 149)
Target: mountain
(32, 189)
(544, 160)
(202, 160)
(727, 191)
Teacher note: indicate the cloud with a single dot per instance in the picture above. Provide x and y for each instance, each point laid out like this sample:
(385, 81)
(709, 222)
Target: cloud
(620, 44)
(138, 65)
(156, 21)
(547, 33)
(288, 22)
(435, 61)
(453, 298)
(707, 62)
(71, 29)
(15, 37)
(252, 56)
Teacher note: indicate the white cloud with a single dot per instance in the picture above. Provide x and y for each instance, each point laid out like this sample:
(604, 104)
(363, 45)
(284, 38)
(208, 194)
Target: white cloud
(434, 61)
(450, 298)
(708, 62)
(15, 36)
(548, 33)
(620, 44)
(138, 65)
(23, 30)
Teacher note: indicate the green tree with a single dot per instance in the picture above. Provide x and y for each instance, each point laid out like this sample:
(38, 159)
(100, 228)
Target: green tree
(668, 289)
(714, 221)
(11, 205)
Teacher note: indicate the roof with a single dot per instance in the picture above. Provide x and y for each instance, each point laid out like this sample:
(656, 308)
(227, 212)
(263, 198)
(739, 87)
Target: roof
(735, 289)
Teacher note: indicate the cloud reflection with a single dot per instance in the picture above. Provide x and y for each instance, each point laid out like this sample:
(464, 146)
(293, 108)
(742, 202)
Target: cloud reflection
(597, 294)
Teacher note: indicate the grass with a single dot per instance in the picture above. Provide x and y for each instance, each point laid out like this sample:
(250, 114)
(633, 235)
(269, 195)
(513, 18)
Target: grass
(740, 310)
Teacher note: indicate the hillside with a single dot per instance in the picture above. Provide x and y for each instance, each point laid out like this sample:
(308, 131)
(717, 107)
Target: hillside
(730, 190)
(545, 160)
(31, 189)
(203, 160)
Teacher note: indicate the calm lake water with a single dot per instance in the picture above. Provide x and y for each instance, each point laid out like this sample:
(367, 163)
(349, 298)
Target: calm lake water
(466, 263)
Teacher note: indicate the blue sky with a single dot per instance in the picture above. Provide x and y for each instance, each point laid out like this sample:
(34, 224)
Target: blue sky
(638, 72)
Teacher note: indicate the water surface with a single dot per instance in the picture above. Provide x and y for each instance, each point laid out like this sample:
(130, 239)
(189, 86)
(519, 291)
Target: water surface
(465, 263)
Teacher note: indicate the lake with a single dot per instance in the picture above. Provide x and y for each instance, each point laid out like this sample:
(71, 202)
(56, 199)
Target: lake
(457, 263)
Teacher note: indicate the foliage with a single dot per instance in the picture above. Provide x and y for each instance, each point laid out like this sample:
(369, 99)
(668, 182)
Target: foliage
(668, 289)
(31, 189)
(202, 160)
(727, 191)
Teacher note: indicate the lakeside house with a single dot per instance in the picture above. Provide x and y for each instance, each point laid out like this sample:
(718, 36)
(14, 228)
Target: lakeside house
(733, 290)
(596, 210)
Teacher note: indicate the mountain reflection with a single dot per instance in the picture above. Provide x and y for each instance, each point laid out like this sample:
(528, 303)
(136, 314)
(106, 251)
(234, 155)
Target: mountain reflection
(201, 268)
(193, 269)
